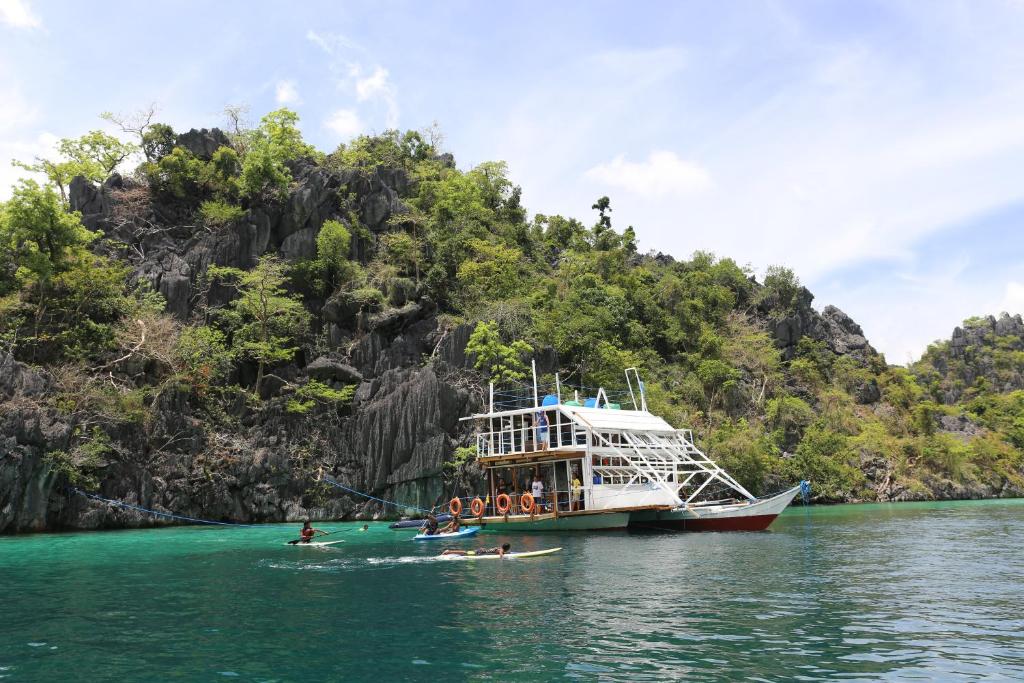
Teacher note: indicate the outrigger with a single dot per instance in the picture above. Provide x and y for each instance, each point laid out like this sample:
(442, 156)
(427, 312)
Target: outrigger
(602, 466)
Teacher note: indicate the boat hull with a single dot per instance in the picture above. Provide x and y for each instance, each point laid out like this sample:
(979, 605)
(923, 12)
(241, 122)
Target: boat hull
(596, 521)
(755, 516)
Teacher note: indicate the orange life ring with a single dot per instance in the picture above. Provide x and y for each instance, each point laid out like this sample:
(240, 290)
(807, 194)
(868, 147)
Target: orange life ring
(503, 503)
(477, 507)
(455, 507)
(526, 502)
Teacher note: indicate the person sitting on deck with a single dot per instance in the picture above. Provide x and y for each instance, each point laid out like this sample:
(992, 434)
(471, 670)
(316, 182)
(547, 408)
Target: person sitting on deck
(500, 552)
(452, 526)
(307, 532)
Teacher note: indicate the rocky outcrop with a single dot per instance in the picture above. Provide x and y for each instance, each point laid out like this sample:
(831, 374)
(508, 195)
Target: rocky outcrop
(839, 332)
(203, 143)
(258, 462)
(981, 351)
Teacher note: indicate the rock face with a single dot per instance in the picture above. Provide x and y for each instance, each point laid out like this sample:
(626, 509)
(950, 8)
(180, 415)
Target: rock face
(839, 332)
(262, 463)
(981, 351)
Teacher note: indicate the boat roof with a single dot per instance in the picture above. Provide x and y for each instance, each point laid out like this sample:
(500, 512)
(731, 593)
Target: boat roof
(603, 418)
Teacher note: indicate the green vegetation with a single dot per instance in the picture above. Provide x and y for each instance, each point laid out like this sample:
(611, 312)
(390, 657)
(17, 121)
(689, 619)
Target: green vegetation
(699, 328)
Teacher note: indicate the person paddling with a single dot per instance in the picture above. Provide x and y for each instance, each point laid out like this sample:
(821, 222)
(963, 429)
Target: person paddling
(500, 552)
(307, 532)
(430, 526)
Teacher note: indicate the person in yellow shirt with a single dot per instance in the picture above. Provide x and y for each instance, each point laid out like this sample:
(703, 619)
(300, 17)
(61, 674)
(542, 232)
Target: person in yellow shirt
(577, 492)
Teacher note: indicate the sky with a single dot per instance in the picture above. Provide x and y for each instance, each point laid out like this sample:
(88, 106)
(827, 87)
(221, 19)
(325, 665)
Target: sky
(875, 148)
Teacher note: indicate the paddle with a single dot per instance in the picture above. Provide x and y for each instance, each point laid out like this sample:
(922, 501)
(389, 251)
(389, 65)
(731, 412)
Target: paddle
(329, 533)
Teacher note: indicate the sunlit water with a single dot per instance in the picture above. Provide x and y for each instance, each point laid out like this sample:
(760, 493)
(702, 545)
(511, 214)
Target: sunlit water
(873, 592)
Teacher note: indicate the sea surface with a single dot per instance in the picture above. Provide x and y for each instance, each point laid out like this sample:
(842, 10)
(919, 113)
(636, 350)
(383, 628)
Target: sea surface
(857, 592)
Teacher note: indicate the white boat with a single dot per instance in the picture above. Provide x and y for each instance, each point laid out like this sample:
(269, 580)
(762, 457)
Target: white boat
(605, 464)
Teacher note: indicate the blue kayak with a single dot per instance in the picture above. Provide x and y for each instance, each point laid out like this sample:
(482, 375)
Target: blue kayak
(464, 533)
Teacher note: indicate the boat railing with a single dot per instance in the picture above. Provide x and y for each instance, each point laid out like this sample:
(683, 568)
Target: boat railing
(559, 500)
(525, 438)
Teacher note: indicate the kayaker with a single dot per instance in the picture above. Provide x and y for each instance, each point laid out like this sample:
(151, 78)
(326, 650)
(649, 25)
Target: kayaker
(307, 532)
(500, 552)
(430, 528)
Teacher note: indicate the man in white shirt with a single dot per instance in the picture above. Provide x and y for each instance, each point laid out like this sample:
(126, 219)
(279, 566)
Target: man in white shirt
(538, 491)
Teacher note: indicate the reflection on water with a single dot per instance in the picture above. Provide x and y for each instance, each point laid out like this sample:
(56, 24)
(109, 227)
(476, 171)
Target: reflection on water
(876, 592)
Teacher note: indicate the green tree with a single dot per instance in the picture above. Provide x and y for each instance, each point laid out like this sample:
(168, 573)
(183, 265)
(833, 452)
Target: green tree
(93, 156)
(500, 362)
(333, 243)
(276, 141)
(39, 234)
(265, 319)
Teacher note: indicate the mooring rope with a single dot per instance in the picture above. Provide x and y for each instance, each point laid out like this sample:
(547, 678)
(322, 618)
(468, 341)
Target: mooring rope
(332, 482)
(138, 508)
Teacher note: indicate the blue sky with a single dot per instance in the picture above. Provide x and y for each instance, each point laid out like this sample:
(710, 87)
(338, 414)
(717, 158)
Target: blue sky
(876, 148)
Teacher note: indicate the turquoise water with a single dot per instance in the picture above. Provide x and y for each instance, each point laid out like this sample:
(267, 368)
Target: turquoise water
(871, 592)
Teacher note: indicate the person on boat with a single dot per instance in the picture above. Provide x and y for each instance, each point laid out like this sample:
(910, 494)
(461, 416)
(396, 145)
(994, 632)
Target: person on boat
(577, 491)
(537, 489)
(307, 532)
(430, 527)
(543, 435)
(500, 552)
(453, 526)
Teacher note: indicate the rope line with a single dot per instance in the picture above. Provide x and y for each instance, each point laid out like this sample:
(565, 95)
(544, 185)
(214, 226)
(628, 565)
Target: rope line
(137, 508)
(332, 482)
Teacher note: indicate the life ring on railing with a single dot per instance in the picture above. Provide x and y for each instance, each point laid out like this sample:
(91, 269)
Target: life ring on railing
(526, 502)
(455, 507)
(477, 507)
(503, 503)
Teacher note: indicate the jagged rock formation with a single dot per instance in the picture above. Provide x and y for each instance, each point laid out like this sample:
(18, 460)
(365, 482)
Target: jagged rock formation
(402, 427)
(839, 332)
(984, 352)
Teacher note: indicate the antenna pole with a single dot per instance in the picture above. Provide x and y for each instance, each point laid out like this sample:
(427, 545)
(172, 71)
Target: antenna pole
(533, 365)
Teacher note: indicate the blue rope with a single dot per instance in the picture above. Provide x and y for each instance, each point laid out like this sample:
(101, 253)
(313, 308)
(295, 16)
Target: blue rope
(331, 481)
(129, 506)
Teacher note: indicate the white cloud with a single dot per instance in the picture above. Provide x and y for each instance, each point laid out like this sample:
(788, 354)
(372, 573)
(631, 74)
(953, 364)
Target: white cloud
(372, 85)
(345, 123)
(42, 145)
(17, 13)
(1013, 299)
(375, 87)
(285, 92)
(663, 173)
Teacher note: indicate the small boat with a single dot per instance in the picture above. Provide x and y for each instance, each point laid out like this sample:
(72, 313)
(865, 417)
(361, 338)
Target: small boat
(450, 536)
(506, 556)
(315, 544)
(417, 523)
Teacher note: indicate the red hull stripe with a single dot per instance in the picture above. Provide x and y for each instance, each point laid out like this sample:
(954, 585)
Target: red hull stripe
(749, 523)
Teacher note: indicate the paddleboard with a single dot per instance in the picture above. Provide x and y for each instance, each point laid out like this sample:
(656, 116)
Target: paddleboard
(507, 556)
(315, 544)
(462, 533)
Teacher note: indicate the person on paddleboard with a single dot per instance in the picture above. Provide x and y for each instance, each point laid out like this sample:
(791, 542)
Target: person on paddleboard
(308, 532)
(500, 552)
